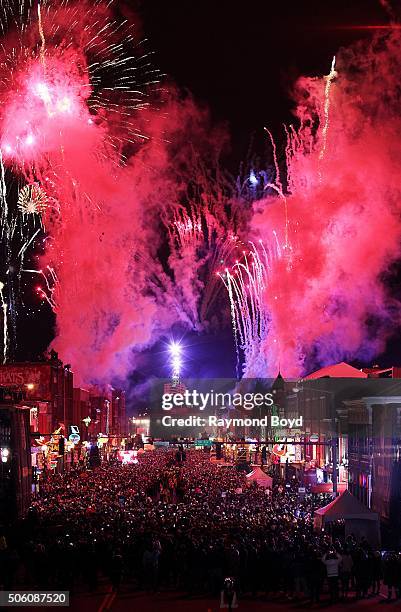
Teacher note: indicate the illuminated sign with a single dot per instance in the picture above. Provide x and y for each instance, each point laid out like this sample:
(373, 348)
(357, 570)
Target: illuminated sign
(34, 379)
(74, 435)
(128, 456)
(280, 450)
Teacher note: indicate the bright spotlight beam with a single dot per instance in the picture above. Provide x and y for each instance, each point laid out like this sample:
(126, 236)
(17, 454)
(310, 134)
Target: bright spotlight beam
(175, 349)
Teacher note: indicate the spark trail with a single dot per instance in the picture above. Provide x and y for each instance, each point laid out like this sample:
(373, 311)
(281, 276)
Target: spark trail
(5, 323)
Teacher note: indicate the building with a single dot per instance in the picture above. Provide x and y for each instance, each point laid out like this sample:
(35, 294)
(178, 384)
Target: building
(15, 462)
(337, 370)
(377, 372)
(100, 412)
(119, 424)
(140, 425)
(344, 370)
(368, 412)
(46, 387)
(374, 448)
(81, 411)
(174, 387)
(100, 415)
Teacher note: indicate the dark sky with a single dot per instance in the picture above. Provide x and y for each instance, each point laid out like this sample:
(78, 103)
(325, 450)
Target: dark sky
(241, 58)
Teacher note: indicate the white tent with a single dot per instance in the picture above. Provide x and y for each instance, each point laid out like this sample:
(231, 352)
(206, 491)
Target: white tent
(359, 520)
(257, 475)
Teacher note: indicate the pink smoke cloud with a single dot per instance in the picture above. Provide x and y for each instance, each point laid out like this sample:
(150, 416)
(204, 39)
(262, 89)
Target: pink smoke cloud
(344, 226)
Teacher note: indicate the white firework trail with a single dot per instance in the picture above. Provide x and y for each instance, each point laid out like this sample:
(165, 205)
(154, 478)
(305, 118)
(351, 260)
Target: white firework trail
(246, 283)
(5, 234)
(51, 281)
(277, 186)
(5, 322)
(15, 233)
(329, 79)
(187, 227)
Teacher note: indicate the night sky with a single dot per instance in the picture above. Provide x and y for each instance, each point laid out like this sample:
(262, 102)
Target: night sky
(238, 59)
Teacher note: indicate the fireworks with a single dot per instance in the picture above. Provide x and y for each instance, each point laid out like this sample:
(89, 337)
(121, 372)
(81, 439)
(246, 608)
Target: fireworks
(99, 173)
(51, 284)
(330, 231)
(203, 236)
(329, 78)
(188, 227)
(246, 283)
(5, 326)
(72, 63)
(73, 80)
(199, 242)
(32, 199)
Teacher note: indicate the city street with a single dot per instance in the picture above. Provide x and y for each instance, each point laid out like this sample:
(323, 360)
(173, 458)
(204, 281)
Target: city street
(166, 602)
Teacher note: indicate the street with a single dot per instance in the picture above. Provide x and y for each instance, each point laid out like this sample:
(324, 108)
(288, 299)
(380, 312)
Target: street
(166, 602)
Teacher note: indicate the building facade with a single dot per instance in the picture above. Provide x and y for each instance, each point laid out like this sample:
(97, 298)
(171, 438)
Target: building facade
(108, 412)
(46, 388)
(81, 411)
(15, 462)
(374, 448)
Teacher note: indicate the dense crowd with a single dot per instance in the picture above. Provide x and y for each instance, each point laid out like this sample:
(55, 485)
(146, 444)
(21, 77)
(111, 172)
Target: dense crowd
(177, 521)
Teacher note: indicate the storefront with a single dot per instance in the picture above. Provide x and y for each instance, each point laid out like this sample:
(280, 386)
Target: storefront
(46, 387)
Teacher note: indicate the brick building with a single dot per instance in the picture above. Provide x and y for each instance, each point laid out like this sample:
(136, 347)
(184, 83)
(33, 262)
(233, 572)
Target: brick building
(119, 418)
(108, 412)
(46, 387)
(81, 410)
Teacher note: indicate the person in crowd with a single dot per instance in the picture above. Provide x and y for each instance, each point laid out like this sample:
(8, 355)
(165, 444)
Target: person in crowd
(377, 572)
(332, 561)
(185, 524)
(392, 575)
(315, 574)
(346, 568)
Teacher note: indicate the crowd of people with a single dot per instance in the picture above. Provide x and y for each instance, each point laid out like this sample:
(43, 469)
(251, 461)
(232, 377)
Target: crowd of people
(177, 521)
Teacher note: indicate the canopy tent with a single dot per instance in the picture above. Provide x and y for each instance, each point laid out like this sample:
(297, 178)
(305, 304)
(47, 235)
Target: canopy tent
(257, 475)
(359, 520)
